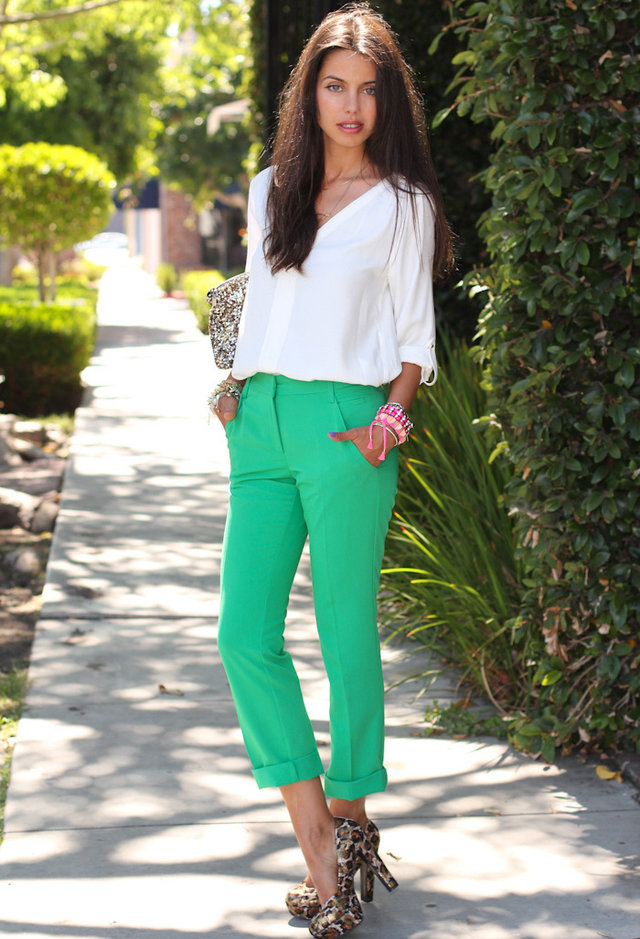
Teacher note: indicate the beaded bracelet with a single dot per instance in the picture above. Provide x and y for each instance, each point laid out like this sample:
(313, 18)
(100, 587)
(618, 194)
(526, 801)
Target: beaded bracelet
(393, 418)
(396, 410)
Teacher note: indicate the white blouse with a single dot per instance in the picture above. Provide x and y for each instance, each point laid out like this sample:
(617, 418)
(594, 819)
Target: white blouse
(362, 305)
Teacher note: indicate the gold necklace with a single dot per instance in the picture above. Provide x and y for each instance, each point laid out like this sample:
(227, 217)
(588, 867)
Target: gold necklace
(343, 194)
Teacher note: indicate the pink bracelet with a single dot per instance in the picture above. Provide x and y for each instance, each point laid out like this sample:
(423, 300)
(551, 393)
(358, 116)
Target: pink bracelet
(393, 418)
(386, 428)
(395, 410)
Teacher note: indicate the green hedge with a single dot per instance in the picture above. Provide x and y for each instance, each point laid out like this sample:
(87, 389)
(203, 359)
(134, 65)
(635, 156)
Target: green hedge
(560, 82)
(43, 349)
(196, 284)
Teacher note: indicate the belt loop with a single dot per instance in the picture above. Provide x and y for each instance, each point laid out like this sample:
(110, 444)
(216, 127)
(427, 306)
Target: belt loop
(332, 391)
(274, 385)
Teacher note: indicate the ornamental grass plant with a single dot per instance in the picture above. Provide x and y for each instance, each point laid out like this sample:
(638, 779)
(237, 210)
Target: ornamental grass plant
(451, 579)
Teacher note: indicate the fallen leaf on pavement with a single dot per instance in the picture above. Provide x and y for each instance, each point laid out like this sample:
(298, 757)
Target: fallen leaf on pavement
(605, 773)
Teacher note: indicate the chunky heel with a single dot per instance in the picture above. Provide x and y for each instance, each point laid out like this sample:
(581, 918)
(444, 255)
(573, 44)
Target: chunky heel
(375, 865)
(367, 877)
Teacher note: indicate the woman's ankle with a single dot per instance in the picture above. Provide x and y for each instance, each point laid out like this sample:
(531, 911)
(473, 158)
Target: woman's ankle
(355, 810)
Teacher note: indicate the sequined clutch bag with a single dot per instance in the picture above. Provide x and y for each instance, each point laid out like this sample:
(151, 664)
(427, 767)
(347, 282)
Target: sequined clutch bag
(226, 300)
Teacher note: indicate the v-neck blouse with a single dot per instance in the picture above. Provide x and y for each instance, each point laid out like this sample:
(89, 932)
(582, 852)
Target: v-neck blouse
(362, 305)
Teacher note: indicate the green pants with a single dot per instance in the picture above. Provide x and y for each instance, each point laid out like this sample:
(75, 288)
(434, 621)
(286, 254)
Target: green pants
(289, 480)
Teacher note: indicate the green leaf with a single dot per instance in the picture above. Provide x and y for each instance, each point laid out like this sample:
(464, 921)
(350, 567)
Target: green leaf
(548, 749)
(612, 157)
(609, 509)
(441, 116)
(582, 252)
(584, 200)
(625, 375)
(552, 677)
(534, 133)
(593, 501)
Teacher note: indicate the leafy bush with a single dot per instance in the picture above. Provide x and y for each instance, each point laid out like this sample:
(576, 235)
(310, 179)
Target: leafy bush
(166, 278)
(52, 198)
(43, 349)
(559, 333)
(69, 289)
(74, 271)
(196, 284)
(452, 579)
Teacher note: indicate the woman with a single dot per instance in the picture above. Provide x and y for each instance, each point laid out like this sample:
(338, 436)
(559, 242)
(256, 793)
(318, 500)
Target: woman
(345, 229)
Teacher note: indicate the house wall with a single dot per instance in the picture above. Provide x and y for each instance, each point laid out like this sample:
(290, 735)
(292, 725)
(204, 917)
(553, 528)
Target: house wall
(181, 244)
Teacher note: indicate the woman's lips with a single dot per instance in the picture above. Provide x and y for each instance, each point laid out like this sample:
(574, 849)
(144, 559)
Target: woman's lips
(351, 127)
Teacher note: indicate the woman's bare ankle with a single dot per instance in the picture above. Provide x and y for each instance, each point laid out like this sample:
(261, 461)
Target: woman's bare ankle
(355, 810)
(320, 853)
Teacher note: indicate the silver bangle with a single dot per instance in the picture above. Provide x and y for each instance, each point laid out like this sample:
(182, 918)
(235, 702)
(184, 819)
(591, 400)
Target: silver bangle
(388, 429)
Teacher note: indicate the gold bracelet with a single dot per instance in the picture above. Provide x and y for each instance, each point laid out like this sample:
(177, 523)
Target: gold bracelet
(226, 387)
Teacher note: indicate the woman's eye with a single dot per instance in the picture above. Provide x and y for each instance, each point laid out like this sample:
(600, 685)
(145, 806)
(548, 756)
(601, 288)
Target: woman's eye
(333, 87)
(370, 90)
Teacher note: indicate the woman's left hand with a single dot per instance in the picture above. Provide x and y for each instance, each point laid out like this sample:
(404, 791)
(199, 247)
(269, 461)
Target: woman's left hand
(360, 437)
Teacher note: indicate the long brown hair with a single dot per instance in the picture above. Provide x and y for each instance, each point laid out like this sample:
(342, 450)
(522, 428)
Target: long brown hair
(398, 146)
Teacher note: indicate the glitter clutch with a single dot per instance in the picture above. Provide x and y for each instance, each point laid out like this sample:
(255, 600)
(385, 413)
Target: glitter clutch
(227, 300)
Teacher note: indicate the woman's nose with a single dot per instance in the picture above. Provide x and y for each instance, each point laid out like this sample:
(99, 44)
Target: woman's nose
(352, 103)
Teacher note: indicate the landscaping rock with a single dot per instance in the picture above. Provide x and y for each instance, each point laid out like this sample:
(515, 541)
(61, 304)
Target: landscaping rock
(45, 516)
(30, 430)
(24, 563)
(17, 508)
(8, 455)
(27, 450)
(37, 477)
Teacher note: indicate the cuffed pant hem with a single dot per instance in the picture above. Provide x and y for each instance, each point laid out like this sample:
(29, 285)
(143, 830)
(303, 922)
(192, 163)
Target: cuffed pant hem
(356, 788)
(283, 774)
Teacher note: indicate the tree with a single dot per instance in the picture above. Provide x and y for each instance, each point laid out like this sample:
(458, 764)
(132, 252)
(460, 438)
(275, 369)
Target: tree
(106, 107)
(53, 197)
(559, 81)
(34, 34)
(212, 71)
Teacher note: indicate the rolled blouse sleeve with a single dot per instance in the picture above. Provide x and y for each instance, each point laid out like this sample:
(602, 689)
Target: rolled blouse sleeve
(411, 286)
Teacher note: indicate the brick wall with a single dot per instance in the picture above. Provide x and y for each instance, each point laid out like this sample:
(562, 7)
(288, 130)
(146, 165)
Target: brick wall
(181, 243)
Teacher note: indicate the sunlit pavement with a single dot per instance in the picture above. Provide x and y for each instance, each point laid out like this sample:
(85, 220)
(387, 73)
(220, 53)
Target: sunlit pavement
(132, 812)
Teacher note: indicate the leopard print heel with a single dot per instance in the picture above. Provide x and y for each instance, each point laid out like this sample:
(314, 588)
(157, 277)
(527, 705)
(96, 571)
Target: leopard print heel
(342, 911)
(367, 877)
(302, 900)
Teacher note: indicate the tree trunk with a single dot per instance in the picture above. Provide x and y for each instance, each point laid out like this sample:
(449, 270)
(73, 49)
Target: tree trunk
(52, 275)
(8, 258)
(41, 272)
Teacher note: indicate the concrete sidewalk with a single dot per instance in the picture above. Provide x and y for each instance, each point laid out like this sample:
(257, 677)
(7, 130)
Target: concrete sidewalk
(132, 812)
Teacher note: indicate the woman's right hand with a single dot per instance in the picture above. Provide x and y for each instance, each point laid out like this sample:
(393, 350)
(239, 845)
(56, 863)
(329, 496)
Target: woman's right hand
(227, 409)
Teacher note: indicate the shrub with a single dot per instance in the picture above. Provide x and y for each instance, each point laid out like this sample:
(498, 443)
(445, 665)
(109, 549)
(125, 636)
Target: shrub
(43, 349)
(166, 278)
(559, 334)
(196, 285)
(452, 579)
(53, 198)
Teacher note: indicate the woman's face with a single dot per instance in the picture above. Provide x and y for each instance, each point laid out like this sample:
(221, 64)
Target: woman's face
(346, 99)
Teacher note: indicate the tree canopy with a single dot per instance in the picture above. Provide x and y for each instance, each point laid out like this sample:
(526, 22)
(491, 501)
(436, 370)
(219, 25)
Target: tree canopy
(53, 197)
